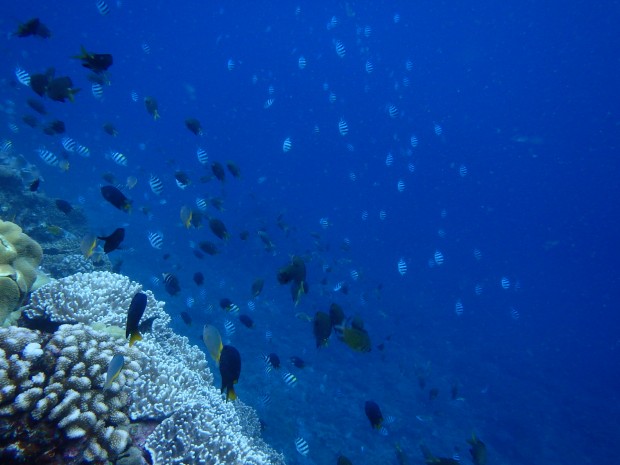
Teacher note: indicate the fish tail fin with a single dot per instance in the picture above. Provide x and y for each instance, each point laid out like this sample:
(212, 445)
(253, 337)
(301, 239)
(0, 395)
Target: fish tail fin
(231, 394)
(136, 336)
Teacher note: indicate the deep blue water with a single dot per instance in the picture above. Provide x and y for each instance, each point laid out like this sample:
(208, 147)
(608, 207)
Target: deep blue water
(526, 99)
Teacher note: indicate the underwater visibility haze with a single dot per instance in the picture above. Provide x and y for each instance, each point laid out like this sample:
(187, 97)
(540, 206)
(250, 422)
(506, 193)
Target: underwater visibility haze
(390, 226)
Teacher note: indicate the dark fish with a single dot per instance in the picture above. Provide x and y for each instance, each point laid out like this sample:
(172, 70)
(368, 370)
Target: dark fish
(336, 315)
(113, 241)
(357, 339)
(147, 325)
(297, 362)
(433, 393)
(478, 450)
(230, 370)
(182, 179)
(33, 27)
(218, 171)
(116, 198)
(37, 106)
(243, 235)
(30, 120)
(151, 107)
(226, 304)
(322, 328)
(97, 62)
(246, 321)
(273, 360)
(171, 283)
(208, 247)
(186, 318)
(342, 460)
(109, 178)
(373, 412)
(194, 125)
(34, 185)
(234, 169)
(257, 287)
(217, 203)
(39, 82)
(430, 459)
(295, 271)
(60, 89)
(218, 228)
(109, 128)
(198, 254)
(199, 278)
(64, 206)
(134, 314)
(54, 127)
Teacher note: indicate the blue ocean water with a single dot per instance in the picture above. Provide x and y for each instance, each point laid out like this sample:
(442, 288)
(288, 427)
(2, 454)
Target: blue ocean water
(514, 108)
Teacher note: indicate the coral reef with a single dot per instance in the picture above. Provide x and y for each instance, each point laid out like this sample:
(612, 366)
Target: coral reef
(19, 258)
(163, 404)
(57, 233)
(90, 298)
(55, 383)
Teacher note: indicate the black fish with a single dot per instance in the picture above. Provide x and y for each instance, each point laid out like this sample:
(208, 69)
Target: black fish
(171, 283)
(55, 127)
(322, 328)
(273, 360)
(373, 412)
(116, 198)
(218, 171)
(33, 27)
(60, 89)
(109, 128)
(199, 278)
(134, 314)
(151, 107)
(30, 120)
(194, 125)
(37, 106)
(218, 228)
(208, 247)
(39, 82)
(234, 169)
(64, 206)
(246, 321)
(98, 62)
(230, 370)
(186, 318)
(257, 287)
(34, 185)
(113, 241)
(297, 362)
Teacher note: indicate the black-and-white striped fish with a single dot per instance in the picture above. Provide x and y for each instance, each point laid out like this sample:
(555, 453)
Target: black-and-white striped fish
(102, 7)
(156, 239)
(302, 446)
(22, 76)
(118, 158)
(156, 185)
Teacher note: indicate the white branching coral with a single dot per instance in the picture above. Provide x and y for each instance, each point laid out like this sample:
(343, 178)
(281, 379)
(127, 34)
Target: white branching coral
(207, 433)
(90, 298)
(58, 379)
(52, 381)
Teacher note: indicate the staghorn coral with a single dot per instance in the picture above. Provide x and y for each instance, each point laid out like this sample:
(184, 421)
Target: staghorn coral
(19, 258)
(49, 382)
(99, 297)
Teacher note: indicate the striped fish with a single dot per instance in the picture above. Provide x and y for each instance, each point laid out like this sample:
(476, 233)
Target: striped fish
(156, 185)
(22, 76)
(156, 240)
(302, 446)
(102, 7)
(289, 379)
